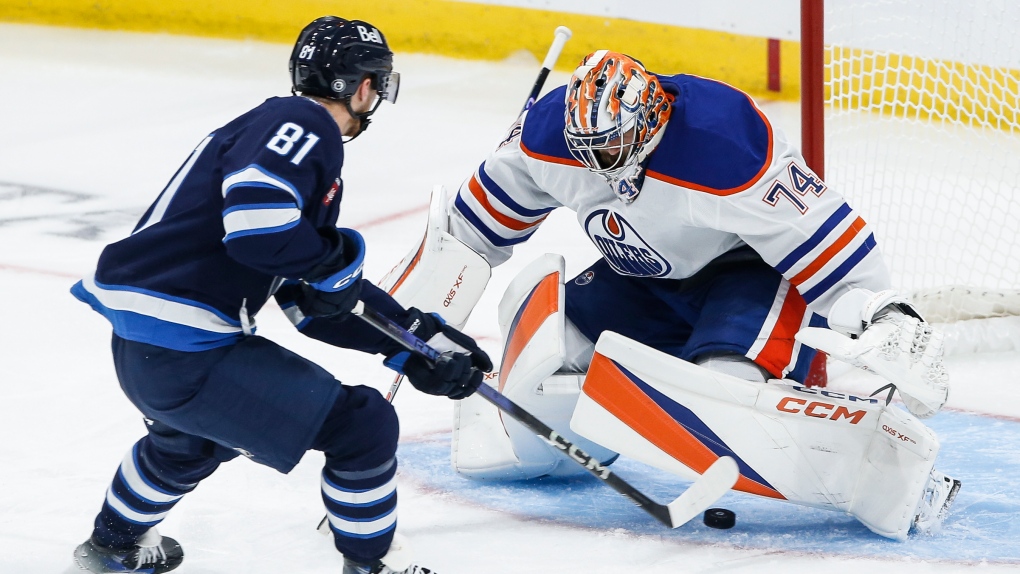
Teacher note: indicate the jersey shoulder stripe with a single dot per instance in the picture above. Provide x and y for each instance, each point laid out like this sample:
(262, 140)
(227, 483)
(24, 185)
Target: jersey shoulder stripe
(717, 140)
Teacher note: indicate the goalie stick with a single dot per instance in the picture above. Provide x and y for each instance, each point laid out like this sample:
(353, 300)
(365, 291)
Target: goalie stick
(560, 37)
(708, 488)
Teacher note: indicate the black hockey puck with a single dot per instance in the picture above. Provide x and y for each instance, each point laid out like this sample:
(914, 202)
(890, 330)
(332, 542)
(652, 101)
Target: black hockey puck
(720, 518)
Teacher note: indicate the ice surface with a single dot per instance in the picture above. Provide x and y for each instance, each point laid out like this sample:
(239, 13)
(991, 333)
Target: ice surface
(92, 125)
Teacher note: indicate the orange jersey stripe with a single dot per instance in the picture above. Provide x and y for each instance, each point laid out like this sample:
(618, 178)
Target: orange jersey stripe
(550, 158)
(829, 252)
(615, 392)
(778, 351)
(504, 220)
(545, 300)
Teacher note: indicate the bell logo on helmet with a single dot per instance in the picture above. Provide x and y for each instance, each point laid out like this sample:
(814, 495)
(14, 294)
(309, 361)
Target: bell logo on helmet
(338, 86)
(372, 35)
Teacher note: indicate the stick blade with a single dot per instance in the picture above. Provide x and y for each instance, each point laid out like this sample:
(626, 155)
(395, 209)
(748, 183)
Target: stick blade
(715, 482)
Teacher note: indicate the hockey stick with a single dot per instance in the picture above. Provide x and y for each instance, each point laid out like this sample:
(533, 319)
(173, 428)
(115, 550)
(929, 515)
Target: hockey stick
(708, 488)
(392, 394)
(560, 37)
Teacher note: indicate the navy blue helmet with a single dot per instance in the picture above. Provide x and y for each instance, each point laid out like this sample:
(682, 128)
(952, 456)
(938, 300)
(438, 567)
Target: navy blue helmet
(333, 55)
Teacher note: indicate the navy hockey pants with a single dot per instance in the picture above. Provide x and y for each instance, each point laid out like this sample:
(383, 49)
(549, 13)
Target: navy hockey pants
(262, 401)
(737, 304)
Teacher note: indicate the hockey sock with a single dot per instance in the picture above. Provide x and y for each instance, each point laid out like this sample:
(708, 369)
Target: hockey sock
(362, 509)
(142, 492)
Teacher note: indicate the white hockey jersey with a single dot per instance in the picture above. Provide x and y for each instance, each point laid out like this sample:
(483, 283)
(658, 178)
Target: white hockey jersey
(722, 177)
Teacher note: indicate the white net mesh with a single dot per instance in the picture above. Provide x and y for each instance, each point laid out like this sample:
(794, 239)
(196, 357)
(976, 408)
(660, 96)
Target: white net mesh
(923, 137)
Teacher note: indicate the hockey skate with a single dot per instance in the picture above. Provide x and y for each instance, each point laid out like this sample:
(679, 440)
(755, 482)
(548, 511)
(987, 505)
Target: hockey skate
(938, 496)
(396, 561)
(153, 553)
(377, 567)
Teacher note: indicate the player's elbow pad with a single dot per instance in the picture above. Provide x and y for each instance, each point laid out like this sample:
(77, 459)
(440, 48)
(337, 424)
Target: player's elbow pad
(343, 266)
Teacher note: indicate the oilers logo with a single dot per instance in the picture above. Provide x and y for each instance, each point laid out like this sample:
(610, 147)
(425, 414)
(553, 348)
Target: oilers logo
(623, 248)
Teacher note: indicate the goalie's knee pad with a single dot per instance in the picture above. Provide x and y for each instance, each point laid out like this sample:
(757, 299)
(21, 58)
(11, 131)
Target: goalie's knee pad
(813, 447)
(488, 445)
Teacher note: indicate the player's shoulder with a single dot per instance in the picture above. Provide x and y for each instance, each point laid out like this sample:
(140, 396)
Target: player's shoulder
(716, 141)
(542, 132)
(308, 115)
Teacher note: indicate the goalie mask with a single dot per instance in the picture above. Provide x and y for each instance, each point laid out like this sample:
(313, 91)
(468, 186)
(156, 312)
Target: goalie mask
(332, 56)
(615, 114)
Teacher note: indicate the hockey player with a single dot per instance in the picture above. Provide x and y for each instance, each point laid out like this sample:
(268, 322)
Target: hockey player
(249, 216)
(718, 244)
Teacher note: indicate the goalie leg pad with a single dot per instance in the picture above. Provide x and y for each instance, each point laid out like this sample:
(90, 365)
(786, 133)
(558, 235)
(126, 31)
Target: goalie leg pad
(488, 445)
(810, 446)
(442, 275)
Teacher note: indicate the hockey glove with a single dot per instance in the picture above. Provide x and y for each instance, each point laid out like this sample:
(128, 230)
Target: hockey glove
(332, 288)
(457, 374)
(882, 333)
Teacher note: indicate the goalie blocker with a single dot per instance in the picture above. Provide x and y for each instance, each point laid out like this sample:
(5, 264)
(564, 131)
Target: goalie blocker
(813, 447)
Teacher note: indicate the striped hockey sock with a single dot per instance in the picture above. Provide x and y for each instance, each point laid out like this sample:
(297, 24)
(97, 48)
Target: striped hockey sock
(362, 510)
(136, 501)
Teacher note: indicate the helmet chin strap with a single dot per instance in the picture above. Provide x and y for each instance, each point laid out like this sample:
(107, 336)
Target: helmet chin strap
(363, 118)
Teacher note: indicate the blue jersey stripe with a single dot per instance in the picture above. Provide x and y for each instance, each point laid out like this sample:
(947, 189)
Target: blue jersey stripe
(489, 234)
(135, 326)
(260, 231)
(252, 206)
(497, 192)
(840, 272)
(812, 242)
(255, 175)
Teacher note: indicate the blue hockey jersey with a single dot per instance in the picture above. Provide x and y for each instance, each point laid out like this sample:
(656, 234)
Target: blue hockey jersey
(236, 225)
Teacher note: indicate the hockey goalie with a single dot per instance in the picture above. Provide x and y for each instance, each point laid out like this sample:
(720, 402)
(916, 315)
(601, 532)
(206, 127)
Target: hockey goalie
(726, 262)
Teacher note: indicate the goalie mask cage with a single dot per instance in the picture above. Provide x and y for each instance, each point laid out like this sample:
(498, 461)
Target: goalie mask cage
(911, 110)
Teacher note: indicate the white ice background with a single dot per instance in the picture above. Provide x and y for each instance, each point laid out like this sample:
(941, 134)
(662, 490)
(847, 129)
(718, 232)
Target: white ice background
(93, 124)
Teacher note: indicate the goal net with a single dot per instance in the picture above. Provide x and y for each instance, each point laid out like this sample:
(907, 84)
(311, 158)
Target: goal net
(922, 135)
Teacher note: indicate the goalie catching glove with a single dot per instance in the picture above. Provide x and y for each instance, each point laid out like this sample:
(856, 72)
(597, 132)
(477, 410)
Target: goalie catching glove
(458, 372)
(882, 333)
